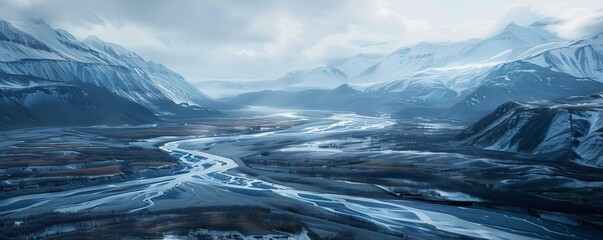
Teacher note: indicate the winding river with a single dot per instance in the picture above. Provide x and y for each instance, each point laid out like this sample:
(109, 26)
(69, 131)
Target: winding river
(203, 168)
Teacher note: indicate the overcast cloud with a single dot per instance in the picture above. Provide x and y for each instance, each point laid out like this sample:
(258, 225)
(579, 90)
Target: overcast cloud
(262, 39)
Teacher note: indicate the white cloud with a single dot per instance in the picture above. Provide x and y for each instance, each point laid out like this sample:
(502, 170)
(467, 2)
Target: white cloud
(378, 29)
(288, 37)
(144, 37)
(205, 39)
(579, 22)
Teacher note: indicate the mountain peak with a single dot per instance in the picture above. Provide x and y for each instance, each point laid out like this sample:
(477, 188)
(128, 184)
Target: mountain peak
(96, 42)
(39, 21)
(519, 34)
(514, 27)
(8, 32)
(344, 88)
(66, 34)
(93, 38)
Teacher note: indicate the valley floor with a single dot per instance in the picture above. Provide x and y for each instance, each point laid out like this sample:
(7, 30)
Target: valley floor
(268, 173)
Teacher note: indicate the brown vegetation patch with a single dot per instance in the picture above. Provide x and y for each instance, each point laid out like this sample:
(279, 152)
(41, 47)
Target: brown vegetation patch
(248, 220)
(98, 171)
(151, 164)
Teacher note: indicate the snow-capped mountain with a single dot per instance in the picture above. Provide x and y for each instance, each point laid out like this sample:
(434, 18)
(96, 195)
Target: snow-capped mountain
(170, 83)
(416, 92)
(426, 96)
(581, 58)
(33, 48)
(534, 66)
(330, 76)
(343, 97)
(464, 80)
(424, 74)
(434, 74)
(525, 81)
(16, 44)
(27, 101)
(570, 128)
(510, 43)
(324, 77)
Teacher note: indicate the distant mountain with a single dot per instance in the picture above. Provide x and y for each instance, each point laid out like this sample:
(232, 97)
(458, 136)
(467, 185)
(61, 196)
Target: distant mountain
(302, 99)
(429, 74)
(416, 92)
(343, 97)
(332, 75)
(33, 48)
(517, 80)
(556, 130)
(521, 81)
(580, 58)
(465, 80)
(325, 77)
(446, 70)
(513, 41)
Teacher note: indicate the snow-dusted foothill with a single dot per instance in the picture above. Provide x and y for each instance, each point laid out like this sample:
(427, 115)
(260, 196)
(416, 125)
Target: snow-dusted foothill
(570, 128)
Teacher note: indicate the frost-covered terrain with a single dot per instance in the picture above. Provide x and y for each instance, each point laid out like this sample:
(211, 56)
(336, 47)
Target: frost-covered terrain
(62, 104)
(570, 129)
(581, 58)
(226, 170)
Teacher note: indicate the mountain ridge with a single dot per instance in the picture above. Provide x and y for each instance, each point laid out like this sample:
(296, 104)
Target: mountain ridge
(571, 128)
(37, 60)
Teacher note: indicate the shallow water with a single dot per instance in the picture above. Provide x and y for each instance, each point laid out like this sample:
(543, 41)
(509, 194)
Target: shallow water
(203, 168)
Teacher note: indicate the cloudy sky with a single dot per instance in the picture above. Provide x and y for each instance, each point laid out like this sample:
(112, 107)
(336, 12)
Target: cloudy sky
(264, 39)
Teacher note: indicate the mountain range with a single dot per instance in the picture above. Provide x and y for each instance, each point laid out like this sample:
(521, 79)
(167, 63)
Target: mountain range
(324, 77)
(42, 68)
(464, 80)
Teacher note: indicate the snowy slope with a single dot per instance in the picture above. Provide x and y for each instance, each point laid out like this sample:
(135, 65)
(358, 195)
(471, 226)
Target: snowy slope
(17, 45)
(556, 129)
(445, 83)
(582, 58)
(437, 73)
(409, 60)
(34, 102)
(343, 97)
(60, 41)
(415, 91)
(458, 80)
(521, 80)
(324, 77)
(459, 67)
(508, 45)
(170, 83)
(330, 76)
(33, 48)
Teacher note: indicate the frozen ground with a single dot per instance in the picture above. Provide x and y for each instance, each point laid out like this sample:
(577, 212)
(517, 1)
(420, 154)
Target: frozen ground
(216, 173)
